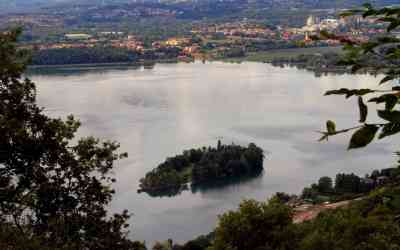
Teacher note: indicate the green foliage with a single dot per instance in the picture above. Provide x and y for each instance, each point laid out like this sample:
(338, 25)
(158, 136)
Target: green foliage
(363, 136)
(255, 225)
(349, 92)
(331, 127)
(347, 186)
(54, 188)
(100, 54)
(200, 243)
(349, 229)
(83, 56)
(389, 129)
(281, 197)
(310, 193)
(322, 188)
(347, 183)
(325, 184)
(167, 245)
(390, 101)
(363, 109)
(368, 223)
(380, 55)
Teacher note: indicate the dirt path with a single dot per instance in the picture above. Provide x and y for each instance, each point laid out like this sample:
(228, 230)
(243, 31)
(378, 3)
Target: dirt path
(308, 212)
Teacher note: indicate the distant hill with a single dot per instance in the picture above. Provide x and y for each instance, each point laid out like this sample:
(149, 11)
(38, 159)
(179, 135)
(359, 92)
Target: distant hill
(32, 5)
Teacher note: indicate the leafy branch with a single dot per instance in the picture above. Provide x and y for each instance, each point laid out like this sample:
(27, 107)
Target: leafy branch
(378, 55)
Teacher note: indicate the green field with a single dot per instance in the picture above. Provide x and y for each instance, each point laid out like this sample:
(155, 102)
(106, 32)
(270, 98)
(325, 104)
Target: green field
(267, 56)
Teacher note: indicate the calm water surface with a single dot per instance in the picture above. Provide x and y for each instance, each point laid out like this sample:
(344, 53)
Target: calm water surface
(159, 112)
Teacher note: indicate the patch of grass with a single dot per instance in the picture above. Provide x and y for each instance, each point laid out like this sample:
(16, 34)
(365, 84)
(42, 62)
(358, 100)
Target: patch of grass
(268, 56)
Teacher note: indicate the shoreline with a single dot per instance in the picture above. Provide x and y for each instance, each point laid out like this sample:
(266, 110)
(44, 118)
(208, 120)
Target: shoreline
(150, 65)
(100, 65)
(260, 57)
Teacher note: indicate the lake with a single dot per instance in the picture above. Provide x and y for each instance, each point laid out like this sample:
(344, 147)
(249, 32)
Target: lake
(159, 112)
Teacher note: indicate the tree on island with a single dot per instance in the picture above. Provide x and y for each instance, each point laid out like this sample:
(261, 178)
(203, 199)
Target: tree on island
(54, 188)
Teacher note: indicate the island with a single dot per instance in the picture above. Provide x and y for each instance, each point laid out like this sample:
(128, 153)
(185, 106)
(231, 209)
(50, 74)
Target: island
(196, 166)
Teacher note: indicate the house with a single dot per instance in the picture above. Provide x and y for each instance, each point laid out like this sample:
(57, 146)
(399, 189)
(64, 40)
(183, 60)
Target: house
(382, 180)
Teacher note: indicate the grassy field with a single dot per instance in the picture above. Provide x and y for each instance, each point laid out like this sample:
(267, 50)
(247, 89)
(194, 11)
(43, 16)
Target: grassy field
(267, 56)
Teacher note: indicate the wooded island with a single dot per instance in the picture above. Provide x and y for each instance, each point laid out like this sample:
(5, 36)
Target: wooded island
(203, 165)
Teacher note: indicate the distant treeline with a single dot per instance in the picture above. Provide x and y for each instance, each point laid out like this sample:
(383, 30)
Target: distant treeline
(203, 165)
(100, 55)
(327, 62)
(347, 186)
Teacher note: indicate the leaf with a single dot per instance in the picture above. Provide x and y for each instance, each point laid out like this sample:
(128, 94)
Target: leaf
(389, 129)
(363, 136)
(390, 101)
(391, 116)
(363, 109)
(361, 92)
(331, 127)
(349, 92)
(386, 79)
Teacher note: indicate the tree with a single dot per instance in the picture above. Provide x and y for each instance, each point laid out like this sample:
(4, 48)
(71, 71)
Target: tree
(281, 197)
(54, 187)
(309, 193)
(167, 245)
(200, 243)
(380, 55)
(256, 225)
(325, 184)
(347, 183)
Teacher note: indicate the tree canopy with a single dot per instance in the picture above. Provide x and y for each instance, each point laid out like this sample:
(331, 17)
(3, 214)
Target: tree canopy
(255, 225)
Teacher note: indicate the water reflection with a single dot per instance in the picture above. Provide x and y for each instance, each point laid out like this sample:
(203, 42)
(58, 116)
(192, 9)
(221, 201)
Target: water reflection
(206, 187)
(171, 192)
(82, 70)
(233, 182)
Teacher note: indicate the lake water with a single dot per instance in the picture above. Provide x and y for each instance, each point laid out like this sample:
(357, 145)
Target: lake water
(159, 112)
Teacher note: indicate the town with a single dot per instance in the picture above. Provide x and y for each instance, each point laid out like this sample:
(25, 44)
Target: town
(54, 30)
